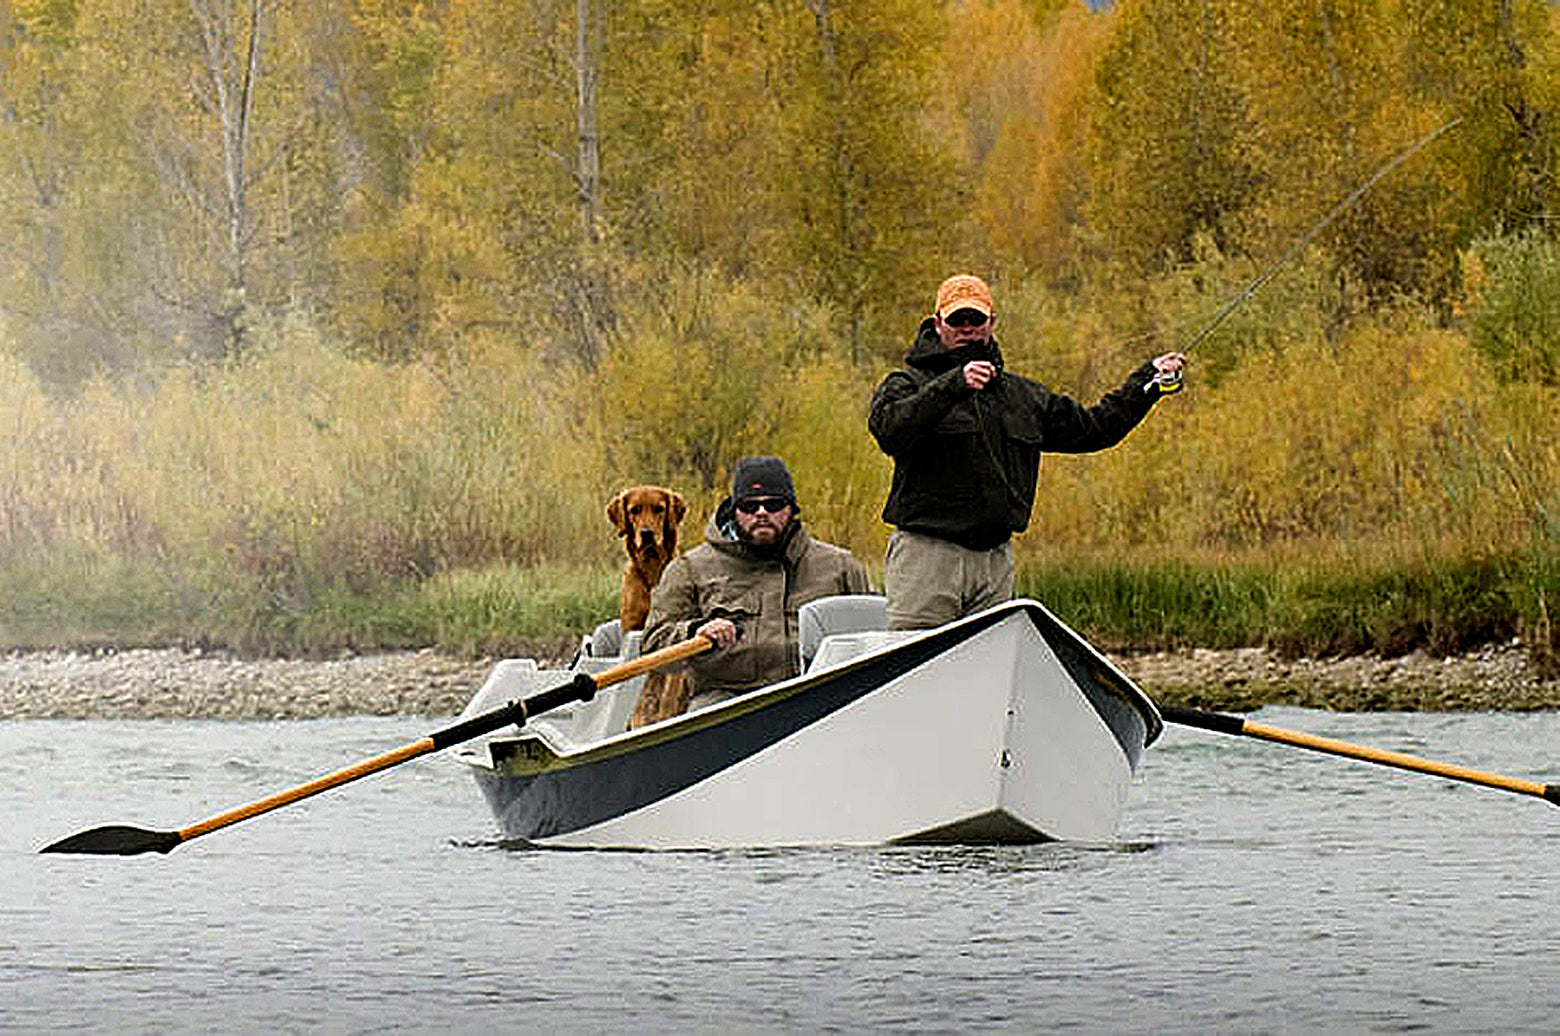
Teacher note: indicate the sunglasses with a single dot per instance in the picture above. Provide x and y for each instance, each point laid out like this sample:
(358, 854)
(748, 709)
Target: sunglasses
(772, 504)
(965, 318)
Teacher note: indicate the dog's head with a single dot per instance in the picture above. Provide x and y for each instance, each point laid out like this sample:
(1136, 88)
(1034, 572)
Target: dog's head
(647, 517)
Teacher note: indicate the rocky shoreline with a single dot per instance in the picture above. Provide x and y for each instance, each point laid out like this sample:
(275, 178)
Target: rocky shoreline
(168, 683)
(178, 684)
(1491, 679)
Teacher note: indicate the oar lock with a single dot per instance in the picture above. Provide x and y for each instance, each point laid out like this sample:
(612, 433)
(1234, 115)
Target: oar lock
(584, 686)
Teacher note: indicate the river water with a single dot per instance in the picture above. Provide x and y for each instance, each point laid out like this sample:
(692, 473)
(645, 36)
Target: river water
(1254, 888)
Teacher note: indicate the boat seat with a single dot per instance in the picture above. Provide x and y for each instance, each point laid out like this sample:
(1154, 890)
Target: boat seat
(521, 678)
(608, 712)
(578, 722)
(509, 679)
(605, 641)
(842, 613)
(839, 648)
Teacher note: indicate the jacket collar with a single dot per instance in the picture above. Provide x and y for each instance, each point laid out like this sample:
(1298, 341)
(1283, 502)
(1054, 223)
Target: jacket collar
(930, 355)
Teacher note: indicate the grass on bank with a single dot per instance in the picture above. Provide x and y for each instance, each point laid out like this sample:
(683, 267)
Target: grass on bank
(1317, 609)
(1333, 608)
(1339, 607)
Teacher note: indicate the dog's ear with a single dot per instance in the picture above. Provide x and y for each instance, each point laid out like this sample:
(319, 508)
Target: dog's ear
(617, 512)
(679, 508)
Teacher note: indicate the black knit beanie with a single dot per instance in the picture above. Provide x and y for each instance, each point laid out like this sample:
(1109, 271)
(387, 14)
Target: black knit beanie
(762, 476)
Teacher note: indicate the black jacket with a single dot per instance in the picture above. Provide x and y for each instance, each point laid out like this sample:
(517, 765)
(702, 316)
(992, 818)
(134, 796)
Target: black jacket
(966, 463)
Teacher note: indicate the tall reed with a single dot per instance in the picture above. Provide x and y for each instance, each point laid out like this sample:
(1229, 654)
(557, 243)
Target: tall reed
(1330, 485)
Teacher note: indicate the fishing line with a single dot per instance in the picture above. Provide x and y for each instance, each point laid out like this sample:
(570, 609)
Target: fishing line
(1167, 383)
(1338, 210)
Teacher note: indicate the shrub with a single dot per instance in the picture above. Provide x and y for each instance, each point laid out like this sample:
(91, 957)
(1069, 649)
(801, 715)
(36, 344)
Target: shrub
(1514, 304)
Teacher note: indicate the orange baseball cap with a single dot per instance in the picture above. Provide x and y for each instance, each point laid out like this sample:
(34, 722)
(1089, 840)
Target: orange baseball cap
(963, 291)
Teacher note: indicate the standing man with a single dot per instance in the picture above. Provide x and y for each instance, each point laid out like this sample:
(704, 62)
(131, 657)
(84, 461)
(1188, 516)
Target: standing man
(966, 438)
(742, 586)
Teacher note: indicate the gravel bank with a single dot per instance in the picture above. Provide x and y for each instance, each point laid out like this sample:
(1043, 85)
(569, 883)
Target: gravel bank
(1492, 679)
(174, 684)
(170, 684)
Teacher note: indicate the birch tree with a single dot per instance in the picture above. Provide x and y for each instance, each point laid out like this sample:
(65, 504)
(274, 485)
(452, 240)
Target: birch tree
(228, 134)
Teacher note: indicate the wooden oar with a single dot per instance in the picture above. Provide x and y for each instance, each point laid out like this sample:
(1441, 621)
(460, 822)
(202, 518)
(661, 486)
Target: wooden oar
(1224, 723)
(120, 840)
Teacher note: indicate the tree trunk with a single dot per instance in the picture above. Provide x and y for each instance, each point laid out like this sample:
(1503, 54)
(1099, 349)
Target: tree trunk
(841, 177)
(594, 305)
(232, 98)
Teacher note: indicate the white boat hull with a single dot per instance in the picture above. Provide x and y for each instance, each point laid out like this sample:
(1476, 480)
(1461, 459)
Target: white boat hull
(975, 733)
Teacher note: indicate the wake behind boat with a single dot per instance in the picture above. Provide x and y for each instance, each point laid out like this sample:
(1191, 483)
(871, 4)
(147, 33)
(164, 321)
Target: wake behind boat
(1002, 727)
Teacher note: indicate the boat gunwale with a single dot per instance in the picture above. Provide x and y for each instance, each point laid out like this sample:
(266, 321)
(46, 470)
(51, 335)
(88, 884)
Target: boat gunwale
(502, 750)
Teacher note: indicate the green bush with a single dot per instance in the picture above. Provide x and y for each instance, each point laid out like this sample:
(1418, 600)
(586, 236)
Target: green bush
(1514, 306)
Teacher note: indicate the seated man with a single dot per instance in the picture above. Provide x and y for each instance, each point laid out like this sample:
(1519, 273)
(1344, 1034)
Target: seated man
(742, 586)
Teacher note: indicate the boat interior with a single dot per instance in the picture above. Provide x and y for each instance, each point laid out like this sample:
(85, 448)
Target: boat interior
(830, 632)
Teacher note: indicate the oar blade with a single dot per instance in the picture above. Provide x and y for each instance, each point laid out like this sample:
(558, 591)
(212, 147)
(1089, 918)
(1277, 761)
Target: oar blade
(116, 840)
(120, 840)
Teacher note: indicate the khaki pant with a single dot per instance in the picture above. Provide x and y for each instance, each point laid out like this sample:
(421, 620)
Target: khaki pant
(930, 581)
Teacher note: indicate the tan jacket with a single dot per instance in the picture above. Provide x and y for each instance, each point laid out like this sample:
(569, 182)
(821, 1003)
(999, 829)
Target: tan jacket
(726, 578)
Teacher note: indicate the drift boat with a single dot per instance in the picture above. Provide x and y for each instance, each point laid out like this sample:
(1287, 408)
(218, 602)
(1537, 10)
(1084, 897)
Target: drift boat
(1001, 727)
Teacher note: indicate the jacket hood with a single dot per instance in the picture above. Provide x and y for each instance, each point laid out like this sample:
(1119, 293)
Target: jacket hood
(721, 533)
(929, 354)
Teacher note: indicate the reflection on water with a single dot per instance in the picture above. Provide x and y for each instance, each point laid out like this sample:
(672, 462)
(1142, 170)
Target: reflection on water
(1254, 888)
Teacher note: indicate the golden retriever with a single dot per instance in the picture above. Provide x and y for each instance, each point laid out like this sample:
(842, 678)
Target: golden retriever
(647, 517)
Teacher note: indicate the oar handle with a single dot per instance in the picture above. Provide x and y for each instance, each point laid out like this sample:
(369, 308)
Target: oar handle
(669, 655)
(1226, 724)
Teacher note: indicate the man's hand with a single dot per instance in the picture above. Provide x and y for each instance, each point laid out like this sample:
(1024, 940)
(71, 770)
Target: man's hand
(722, 632)
(978, 372)
(1167, 374)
